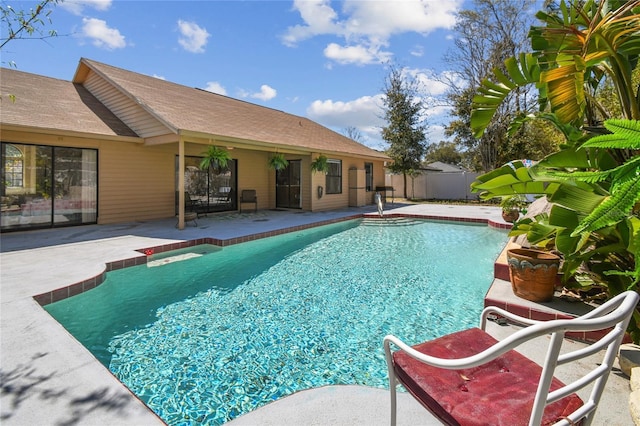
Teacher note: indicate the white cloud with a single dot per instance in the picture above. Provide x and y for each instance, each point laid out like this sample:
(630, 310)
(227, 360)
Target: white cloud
(367, 113)
(359, 112)
(215, 87)
(193, 38)
(366, 26)
(432, 83)
(77, 6)
(159, 77)
(266, 93)
(319, 19)
(363, 113)
(359, 54)
(101, 34)
(380, 19)
(435, 134)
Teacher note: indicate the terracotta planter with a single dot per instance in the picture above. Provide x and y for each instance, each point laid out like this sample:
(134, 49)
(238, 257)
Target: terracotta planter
(510, 215)
(533, 273)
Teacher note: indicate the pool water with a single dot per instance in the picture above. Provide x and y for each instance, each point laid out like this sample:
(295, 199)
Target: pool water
(206, 337)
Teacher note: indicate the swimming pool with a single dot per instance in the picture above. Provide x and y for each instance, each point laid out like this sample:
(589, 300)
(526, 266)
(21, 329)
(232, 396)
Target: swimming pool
(221, 332)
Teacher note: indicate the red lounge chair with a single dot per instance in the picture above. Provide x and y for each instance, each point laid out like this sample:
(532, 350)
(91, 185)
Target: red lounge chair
(469, 378)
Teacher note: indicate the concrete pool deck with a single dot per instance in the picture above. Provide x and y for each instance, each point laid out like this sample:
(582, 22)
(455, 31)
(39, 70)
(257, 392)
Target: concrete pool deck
(47, 377)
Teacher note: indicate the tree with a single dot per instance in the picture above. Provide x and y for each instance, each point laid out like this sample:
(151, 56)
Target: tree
(406, 129)
(444, 152)
(353, 133)
(20, 24)
(486, 35)
(533, 139)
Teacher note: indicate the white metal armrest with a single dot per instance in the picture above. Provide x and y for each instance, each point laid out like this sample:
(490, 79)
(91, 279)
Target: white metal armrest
(611, 319)
(484, 316)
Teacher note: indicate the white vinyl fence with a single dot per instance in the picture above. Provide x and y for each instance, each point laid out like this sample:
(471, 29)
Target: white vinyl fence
(435, 186)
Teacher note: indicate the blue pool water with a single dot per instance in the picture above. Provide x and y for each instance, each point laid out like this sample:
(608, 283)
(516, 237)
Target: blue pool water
(208, 335)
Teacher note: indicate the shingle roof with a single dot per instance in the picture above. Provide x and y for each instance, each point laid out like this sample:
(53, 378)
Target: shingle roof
(194, 110)
(53, 104)
(444, 167)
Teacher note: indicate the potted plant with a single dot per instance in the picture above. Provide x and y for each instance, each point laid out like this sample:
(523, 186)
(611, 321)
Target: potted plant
(320, 164)
(533, 273)
(215, 159)
(278, 162)
(512, 206)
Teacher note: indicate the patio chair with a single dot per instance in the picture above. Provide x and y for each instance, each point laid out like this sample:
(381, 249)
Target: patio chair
(470, 378)
(190, 204)
(225, 197)
(249, 196)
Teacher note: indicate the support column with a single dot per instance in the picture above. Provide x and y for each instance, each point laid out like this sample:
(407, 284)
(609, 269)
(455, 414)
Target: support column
(181, 184)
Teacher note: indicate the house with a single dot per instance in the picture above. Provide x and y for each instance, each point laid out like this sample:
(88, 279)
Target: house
(114, 146)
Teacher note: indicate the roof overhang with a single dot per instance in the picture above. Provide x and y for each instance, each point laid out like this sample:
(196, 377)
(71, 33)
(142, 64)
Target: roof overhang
(231, 142)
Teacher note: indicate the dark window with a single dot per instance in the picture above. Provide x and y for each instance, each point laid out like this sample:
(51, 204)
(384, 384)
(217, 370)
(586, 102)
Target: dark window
(207, 190)
(368, 170)
(334, 177)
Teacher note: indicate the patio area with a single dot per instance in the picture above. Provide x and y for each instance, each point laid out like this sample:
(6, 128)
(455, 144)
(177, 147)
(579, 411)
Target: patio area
(49, 378)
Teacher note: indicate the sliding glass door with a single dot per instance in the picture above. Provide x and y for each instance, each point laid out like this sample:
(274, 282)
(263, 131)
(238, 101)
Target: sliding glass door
(208, 191)
(45, 186)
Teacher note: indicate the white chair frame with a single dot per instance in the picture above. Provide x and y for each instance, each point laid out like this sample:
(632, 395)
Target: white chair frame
(613, 316)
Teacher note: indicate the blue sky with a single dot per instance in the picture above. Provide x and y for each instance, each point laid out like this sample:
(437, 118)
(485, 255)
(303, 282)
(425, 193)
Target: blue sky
(321, 59)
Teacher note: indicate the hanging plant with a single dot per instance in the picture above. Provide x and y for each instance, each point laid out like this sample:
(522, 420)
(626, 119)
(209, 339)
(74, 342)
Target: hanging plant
(278, 162)
(215, 159)
(320, 164)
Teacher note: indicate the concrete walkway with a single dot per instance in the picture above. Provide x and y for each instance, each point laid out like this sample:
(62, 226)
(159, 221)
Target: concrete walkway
(47, 377)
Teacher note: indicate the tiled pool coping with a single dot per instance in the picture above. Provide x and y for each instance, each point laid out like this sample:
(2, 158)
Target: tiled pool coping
(501, 295)
(88, 284)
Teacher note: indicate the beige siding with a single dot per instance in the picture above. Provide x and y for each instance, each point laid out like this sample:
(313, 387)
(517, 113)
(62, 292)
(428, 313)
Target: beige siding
(137, 182)
(132, 114)
(134, 182)
(254, 174)
(337, 201)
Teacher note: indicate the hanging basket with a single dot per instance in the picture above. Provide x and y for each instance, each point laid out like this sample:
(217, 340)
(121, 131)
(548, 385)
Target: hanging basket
(533, 273)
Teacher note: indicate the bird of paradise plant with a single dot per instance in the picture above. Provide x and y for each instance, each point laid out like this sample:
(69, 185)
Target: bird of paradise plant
(593, 182)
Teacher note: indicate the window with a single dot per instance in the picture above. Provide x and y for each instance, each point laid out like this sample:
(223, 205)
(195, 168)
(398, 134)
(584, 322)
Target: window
(213, 190)
(368, 170)
(334, 177)
(13, 167)
(47, 186)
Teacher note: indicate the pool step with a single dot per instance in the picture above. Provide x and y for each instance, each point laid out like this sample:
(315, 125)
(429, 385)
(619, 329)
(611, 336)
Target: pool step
(390, 221)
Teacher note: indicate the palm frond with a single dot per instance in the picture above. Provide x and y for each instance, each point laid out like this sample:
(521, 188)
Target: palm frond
(613, 209)
(519, 72)
(625, 135)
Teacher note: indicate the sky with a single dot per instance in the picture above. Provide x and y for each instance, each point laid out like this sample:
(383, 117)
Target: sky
(324, 60)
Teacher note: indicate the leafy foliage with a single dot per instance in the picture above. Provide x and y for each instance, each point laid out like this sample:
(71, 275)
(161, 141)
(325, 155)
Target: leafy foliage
(593, 182)
(20, 22)
(444, 152)
(215, 159)
(571, 54)
(406, 126)
(320, 164)
(486, 35)
(277, 161)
